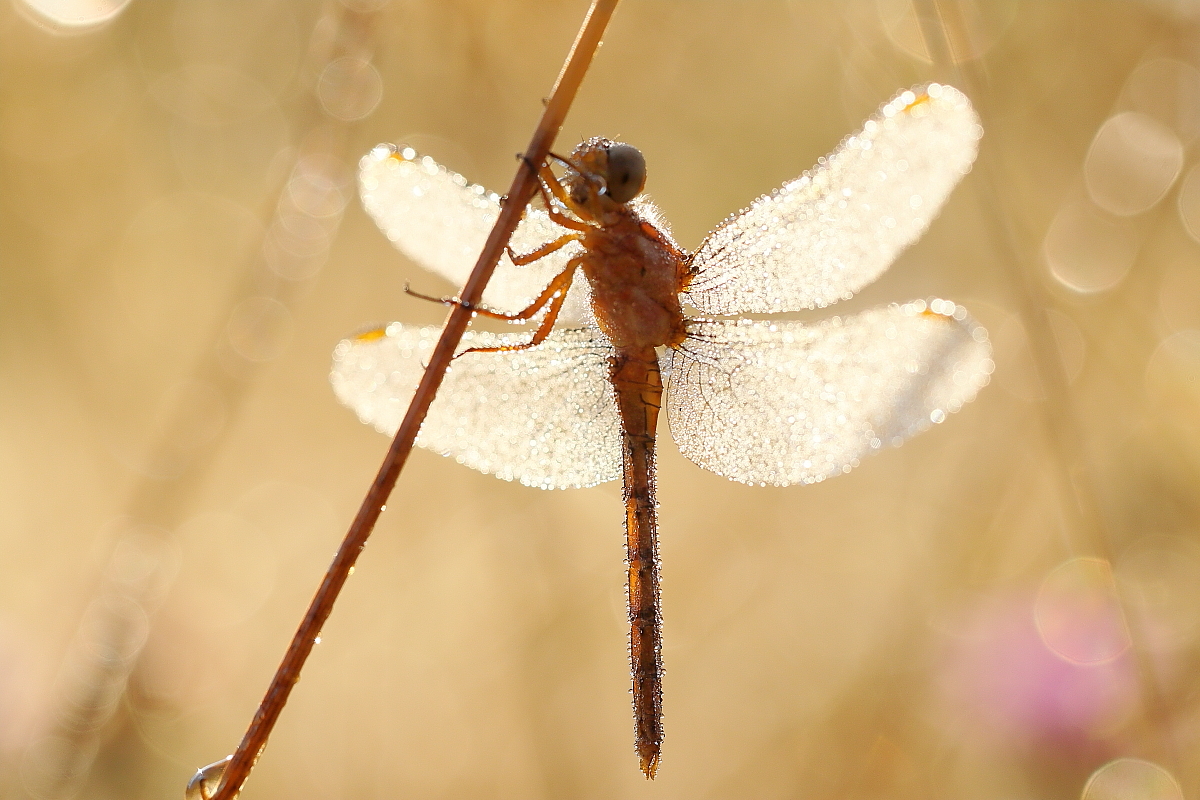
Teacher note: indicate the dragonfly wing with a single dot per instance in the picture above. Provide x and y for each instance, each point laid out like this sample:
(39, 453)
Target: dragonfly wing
(438, 219)
(787, 402)
(830, 232)
(545, 416)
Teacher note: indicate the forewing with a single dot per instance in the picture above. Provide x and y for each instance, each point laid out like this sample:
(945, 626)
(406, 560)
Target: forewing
(787, 402)
(545, 416)
(438, 219)
(827, 234)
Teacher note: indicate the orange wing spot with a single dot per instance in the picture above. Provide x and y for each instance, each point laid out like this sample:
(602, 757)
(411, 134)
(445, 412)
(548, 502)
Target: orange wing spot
(921, 99)
(372, 335)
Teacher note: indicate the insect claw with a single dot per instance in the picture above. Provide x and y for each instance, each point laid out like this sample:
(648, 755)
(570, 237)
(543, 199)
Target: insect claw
(446, 301)
(564, 161)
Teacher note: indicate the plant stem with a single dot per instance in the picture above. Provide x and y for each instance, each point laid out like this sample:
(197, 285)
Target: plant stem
(523, 187)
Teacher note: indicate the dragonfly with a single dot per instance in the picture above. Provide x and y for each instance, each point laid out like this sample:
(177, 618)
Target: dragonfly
(757, 399)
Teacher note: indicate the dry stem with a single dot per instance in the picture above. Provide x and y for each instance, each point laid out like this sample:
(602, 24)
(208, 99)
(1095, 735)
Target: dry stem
(523, 187)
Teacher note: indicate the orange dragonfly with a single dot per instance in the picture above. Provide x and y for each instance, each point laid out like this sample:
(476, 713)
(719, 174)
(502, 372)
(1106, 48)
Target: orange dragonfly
(765, 402)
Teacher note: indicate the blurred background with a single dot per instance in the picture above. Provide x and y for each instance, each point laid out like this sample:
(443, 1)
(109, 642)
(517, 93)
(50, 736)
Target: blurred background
(1006, 607)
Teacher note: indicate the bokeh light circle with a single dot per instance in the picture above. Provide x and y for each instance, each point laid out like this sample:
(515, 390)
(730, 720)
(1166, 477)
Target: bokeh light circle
(295, 257)
(1088, 251)
(1001, 680)
(349, 88)
(1173, 376)
(1169, 91)
(1134, 159)
(1189, 203)
(1131, 779)
(975, 29)
(73, 16)
(1078, 615)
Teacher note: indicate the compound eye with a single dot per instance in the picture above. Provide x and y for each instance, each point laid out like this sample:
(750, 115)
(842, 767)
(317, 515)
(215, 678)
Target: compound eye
(626, 172)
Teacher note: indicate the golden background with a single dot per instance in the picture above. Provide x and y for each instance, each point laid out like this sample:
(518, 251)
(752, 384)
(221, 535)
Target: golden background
(998, 609)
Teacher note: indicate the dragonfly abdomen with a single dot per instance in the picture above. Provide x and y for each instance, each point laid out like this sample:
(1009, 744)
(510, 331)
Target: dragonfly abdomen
(638, 387)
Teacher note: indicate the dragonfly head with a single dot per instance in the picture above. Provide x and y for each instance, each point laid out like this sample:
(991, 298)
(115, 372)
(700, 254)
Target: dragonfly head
(605, 174)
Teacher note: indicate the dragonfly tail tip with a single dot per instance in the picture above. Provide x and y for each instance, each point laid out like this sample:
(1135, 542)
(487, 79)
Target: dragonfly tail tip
(649, 759)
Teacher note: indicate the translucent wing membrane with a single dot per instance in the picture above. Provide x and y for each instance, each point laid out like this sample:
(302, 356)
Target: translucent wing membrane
(787, 402)
(438, 219)
(545, 416)
(835, 229)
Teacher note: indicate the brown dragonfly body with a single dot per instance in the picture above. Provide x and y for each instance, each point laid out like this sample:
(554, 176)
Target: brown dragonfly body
(635, 273)
(761, 401)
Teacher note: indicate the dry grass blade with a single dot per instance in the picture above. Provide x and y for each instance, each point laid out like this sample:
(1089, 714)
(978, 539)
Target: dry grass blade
(521, 191)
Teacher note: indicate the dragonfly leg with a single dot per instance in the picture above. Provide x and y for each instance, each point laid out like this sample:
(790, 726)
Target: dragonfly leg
(521, 259)
(548, 185)
(445, 301)
(562, 282)
(565, 221)
(549, 181)
(555, 295)
(566, 162)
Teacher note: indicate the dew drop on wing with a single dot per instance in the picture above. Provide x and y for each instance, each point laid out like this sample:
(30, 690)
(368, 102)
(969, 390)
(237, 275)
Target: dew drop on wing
(836, 248)
(832, 390)
(440, 220)
(491, 403)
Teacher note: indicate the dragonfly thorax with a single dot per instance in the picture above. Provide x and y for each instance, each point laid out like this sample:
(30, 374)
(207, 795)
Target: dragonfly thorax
(634, 272)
